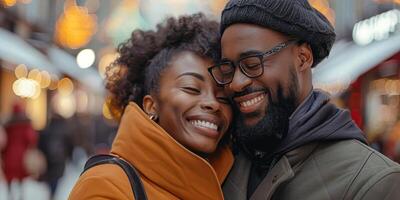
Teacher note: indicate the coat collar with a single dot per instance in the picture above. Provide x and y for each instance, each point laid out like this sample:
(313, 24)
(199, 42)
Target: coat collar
(163, 161)
(235, 187)
(283, 171)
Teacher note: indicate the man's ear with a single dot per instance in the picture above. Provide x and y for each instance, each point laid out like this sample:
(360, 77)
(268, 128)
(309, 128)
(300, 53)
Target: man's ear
(150, 105)
(305, 57)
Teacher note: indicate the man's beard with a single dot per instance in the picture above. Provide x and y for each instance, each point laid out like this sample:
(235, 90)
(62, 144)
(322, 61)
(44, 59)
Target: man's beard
(268, 133)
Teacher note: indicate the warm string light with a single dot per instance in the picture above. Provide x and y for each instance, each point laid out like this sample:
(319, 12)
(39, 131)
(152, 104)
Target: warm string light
(30, 83)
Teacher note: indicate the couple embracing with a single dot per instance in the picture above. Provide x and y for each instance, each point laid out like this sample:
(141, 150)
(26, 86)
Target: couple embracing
(228, 111)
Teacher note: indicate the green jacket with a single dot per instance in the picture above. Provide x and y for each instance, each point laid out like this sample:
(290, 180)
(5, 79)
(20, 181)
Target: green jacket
(346, 169)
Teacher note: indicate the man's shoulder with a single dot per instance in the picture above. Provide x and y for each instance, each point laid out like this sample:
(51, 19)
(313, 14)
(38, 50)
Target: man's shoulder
(359, 168)
(352, 152)
(346, 169)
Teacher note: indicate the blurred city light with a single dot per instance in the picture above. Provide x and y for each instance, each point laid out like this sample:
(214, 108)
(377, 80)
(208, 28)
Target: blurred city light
(106, 111)
(377, 28)
(323, 7)
(53, 82)
(36, 110)
(26, 88)
(35, 75)
(75, 27)
(21, 71)
(105, 61)
(46, 79)
(64, 105)
(65, 86)
(85, 58)
(9, 3)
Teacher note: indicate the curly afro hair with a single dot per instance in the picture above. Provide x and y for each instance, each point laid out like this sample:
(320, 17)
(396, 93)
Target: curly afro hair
(147, 54)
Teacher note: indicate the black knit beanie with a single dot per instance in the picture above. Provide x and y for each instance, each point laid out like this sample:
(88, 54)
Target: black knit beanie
(291, 17)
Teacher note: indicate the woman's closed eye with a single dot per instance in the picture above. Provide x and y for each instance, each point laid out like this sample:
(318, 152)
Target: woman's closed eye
(191, 90)
(224, 100)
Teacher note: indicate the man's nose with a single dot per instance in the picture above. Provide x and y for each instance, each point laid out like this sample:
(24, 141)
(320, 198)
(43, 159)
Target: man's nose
(239, 82)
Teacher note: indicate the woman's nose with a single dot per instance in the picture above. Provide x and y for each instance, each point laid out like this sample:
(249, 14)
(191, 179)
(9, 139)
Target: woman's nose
(210, 103)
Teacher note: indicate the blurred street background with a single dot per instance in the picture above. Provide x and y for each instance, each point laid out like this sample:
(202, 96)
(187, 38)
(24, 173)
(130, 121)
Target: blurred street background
(53, 56)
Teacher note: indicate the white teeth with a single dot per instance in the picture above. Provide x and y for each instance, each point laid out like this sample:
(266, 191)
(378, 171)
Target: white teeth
(252, 101)
(204, 124)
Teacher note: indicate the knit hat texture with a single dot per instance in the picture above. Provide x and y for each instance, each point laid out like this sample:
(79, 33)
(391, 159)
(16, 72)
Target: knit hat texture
(295, 18)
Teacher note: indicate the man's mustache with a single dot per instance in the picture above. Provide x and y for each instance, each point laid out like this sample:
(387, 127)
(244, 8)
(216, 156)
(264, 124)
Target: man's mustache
(250, 90)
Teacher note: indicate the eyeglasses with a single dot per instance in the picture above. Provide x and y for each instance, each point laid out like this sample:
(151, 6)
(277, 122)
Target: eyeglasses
(252, 66)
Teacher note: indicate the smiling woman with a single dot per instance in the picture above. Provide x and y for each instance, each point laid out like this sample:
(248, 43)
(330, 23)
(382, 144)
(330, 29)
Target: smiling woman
(175, 118)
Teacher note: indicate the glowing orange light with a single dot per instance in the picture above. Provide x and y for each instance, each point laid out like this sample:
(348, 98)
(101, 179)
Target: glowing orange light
(106, 111)
(75, 27)
(9, 3)
(323, 7)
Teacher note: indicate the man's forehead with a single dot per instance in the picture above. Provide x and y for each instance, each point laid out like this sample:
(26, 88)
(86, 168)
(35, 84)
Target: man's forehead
(242, 31)
(242, 38)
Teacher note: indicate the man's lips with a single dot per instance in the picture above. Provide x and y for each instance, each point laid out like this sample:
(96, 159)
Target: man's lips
(251, 102)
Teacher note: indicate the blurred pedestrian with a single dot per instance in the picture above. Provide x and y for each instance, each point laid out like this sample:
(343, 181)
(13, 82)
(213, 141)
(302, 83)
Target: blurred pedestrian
(21, 138)
(55, 143)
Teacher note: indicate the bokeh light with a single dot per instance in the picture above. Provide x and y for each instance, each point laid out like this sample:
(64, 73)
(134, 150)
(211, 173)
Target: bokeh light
(9, 3)
(65, 86)
(35, 75)
(46, 79)
(21, 71)
(64, 105)
(75, 27)
(105, 61)
(26, 88)
(85, 58)
(106, 111)
(54, 82)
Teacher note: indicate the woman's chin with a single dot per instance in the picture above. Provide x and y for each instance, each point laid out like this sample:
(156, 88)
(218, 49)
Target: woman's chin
(204, 150)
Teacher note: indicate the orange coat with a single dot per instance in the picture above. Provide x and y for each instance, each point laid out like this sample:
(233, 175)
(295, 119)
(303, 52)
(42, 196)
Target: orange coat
(167, 169)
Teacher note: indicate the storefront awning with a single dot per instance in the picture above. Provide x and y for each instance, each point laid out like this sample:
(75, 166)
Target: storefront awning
(348, 60)
(15, 50)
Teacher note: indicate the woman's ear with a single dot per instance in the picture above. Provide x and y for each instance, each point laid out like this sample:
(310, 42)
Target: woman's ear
(149, 105)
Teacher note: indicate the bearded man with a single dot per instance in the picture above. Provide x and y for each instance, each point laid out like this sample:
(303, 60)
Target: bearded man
(293, 143)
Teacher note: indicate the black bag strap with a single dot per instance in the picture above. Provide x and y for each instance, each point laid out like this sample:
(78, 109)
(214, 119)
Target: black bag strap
(134, 179)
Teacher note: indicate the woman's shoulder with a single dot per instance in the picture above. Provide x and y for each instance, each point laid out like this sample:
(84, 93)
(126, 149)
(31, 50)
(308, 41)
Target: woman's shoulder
(107, 181)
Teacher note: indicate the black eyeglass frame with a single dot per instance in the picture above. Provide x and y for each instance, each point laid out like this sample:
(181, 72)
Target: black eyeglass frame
(261, 56)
